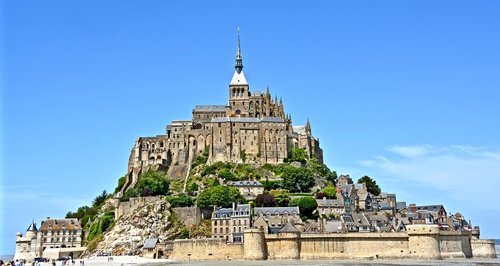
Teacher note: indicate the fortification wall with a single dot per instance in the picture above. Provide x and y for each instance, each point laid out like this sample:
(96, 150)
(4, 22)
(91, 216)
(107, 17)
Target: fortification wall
(206, 249)
(482, 248)
(284, 246)
(354, 245)
(455, 244)
(132, 204)
(188, 215)
(421, 242)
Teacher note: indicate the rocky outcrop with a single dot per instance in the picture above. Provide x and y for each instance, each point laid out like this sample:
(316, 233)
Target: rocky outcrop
(151, 220)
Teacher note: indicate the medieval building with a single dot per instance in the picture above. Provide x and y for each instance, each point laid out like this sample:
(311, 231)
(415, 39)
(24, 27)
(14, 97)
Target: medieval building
(251, 128)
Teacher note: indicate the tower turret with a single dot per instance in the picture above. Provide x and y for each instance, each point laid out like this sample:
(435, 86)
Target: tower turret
(308, 126)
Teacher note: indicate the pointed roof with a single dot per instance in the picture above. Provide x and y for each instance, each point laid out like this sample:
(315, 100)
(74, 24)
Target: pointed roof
(308, 125)
(32, 226)
(239, 58)
(289, 228)
(239, 75)
(238, 78)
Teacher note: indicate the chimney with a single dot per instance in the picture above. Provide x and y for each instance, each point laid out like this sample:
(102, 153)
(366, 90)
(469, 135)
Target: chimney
(234, 205)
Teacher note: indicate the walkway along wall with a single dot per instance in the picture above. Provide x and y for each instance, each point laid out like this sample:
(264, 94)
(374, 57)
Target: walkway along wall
(421, 241)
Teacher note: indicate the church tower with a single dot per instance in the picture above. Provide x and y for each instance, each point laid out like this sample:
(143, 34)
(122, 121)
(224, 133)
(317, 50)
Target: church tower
(239, 91)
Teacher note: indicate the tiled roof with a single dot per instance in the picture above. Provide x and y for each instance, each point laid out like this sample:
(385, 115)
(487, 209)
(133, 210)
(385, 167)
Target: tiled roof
(247, 184)
(434, 208)
(60, 224)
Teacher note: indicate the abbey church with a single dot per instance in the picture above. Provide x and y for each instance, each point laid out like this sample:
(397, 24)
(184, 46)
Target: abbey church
(251, 128)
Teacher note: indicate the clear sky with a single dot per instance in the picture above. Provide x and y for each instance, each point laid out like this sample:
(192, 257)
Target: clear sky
(407, 92)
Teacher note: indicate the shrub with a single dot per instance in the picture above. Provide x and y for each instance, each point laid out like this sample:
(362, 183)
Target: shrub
(307, 205)
(181, 200)
(219, 196)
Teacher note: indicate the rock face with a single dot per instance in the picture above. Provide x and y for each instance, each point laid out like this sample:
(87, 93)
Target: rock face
(150, 220)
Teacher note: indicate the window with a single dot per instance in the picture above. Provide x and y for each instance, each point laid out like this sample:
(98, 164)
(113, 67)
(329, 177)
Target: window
(215, 230)
(215, 222)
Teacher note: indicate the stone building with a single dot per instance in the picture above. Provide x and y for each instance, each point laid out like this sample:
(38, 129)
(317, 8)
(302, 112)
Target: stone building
(249, 189)
(55, 237)
(229, 223)
(272, 219)
(251, 128)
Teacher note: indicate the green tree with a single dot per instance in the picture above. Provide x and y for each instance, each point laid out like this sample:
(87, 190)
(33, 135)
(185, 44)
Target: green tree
(297, 179)
(156, 182)
(321, 170)
(330, 192)
(227, 175)
(100, 199)
(297, 155)
(121, 183)
(219, 196)
(371, 185)
(307, 205)
(265, 200)
(181, 200)
(282, 200)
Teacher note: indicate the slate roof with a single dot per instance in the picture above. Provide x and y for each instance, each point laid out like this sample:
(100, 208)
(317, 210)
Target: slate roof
(150, 243)
(272, 120)
(209, 108)
(329, 203)
(247, 184)
(32, 227)
(400, 205)
(384, 206)
(273, 210)
(223, 213)
(433, 208)
(289, 228)
(61, 224)
(235, 120)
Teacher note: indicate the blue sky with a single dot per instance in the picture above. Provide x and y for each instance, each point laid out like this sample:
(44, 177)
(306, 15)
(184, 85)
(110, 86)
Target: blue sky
(407, 92)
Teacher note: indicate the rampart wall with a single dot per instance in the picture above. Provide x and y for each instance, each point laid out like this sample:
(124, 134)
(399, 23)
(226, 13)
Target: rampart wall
(420, 242)
(188, 215)
(206, 249)
(132, 204)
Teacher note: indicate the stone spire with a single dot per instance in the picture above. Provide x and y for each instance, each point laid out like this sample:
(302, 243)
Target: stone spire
(238, 76)
(308, 126)
(239, 59)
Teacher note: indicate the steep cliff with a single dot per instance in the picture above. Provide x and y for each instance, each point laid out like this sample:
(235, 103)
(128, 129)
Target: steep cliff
(151, 220)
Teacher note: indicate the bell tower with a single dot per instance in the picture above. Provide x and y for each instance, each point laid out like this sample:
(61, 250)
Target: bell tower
(239, 92)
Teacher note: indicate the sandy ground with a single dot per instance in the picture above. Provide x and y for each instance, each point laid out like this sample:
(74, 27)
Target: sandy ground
(135, 260)
(117, 261)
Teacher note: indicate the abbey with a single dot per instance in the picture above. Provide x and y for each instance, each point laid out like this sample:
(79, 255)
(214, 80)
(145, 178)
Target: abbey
(252, 128)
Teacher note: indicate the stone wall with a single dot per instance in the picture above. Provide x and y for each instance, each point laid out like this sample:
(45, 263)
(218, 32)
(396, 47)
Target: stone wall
(206, 249)
(455, 244)
(483, 248)
(188, 215)
(420, 242)
(133, 204)
(354, 245)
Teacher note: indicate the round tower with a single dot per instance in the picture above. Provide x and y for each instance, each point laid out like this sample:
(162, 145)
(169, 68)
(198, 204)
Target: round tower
(19, 235)
(31, 231)
(289, 236)
(424, 241)
(254, 244)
